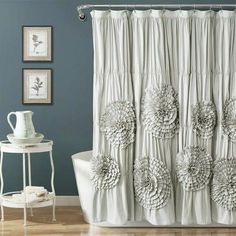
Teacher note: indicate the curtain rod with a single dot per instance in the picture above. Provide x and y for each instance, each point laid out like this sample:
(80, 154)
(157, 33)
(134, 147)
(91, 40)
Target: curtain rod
(82, 15)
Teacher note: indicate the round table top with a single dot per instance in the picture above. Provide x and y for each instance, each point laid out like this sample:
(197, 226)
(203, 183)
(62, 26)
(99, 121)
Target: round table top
(44, 146)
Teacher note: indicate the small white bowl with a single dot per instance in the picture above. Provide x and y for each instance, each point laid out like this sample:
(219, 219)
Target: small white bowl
(36, 139)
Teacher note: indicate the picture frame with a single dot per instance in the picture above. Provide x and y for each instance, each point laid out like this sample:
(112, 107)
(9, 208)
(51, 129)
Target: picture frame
(37, 43)
(37, 86)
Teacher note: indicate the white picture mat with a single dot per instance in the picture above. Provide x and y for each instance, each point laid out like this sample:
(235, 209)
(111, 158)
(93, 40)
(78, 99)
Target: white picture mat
(43, 94)
(37, 47)
(37, 43)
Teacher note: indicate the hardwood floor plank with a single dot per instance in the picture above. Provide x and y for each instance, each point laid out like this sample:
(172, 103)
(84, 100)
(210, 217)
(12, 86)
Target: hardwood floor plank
(70, 222)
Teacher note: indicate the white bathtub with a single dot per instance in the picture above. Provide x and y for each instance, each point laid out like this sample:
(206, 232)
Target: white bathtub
(84, 185)
(85, 188)
(82, 174)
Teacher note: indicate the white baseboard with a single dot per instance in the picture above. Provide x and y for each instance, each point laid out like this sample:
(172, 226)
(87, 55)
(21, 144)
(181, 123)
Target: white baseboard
(67, 201)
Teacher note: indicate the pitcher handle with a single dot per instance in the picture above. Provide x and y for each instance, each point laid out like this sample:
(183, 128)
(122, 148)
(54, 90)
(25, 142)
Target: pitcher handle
(9, 121)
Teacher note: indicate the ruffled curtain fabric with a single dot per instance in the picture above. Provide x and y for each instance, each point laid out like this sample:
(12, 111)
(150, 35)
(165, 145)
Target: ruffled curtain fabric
(113, 150)
(164, 117)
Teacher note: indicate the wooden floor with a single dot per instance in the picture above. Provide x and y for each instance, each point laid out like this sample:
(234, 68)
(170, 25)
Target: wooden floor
(70, 222)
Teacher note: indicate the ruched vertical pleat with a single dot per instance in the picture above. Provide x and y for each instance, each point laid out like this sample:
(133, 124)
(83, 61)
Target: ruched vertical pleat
(151, 68)
(224, 87)
(195, 85)
(112, 82)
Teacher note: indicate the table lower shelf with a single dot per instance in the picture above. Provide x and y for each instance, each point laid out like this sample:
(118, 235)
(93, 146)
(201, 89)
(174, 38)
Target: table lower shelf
(8, 201)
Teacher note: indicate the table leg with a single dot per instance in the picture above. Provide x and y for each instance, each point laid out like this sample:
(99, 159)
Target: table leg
(29, 169)
(2, 184)
(24, 185)
(29, 175)
(52, 186)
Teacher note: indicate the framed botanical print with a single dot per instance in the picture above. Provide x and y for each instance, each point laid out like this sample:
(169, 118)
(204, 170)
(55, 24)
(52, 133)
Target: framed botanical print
(37, 43)
(37, 86)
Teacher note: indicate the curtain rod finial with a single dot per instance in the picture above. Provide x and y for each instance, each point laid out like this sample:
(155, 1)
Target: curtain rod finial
(82, 16)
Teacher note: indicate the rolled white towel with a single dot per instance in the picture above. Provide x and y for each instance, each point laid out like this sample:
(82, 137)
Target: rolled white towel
(20, 198)
(34, 189)
(30, 198)
(42, 193)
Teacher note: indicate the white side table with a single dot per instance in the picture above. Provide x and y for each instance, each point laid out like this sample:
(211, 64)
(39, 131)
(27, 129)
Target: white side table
(6, 198)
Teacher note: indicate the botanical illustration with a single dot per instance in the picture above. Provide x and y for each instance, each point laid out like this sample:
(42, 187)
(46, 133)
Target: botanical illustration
(37, 85)
(36, 42)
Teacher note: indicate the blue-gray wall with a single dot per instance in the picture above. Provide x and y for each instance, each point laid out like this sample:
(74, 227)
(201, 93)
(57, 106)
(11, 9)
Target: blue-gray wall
(69, 120)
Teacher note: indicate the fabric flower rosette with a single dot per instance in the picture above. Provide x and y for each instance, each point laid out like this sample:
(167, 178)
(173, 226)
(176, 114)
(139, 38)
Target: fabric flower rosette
(223, 189)
(105, 172)
(152, 183)
(118, 123)
(160, 110)
(204, 119)
(229, 119)
(193, 168)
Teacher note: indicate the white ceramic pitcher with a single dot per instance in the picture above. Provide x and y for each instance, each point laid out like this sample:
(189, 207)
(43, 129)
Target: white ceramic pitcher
(24, 126)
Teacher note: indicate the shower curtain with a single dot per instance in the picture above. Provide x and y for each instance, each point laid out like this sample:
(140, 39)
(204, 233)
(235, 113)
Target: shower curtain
(164, 117)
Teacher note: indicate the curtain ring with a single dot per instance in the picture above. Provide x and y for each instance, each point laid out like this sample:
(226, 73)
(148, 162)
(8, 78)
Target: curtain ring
(163, 8)
(181, 13)
(150, 8)
(194, 7)
(221, 9)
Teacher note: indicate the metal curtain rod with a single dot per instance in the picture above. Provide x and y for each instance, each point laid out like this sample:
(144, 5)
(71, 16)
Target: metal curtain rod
(82, 15)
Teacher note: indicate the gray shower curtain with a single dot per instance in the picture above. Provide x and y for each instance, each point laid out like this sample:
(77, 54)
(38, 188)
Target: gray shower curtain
(164, 117)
